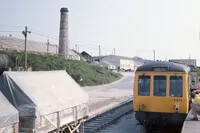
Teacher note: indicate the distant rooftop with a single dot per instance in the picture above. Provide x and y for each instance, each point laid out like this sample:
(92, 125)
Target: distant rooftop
(121, 57)
(192, 62)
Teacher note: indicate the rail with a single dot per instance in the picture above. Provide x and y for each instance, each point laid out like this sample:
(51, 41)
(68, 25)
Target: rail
(105, 119)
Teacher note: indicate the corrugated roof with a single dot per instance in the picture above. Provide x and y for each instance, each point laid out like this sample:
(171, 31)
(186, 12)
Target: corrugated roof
(106, 62)
(118, 56)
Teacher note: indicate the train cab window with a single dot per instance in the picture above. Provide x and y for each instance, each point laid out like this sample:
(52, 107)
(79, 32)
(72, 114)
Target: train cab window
(176, 86)
(159, 86)
(144, 85)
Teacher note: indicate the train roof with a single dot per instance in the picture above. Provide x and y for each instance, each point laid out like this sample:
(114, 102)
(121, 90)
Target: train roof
(164, 66)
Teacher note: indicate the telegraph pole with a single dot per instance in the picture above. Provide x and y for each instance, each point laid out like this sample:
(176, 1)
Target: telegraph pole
(56, 49)
(47, 46)
(114, 51)
(25, 50)
(154, 55)
(99, 51)
(190, 59)
(76, 47)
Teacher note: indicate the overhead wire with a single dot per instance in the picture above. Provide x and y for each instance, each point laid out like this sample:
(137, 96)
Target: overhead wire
(11, 26)
(8, 31)
(53, 37)
(84, 44)
(44, 35)
(102, 46)
(71, 43)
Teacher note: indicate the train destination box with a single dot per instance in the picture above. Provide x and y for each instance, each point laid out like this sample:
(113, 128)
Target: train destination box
(9, 116)
(46, 100)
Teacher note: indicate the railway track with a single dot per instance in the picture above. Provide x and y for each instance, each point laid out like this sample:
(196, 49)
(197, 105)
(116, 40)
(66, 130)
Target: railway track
(103, 120)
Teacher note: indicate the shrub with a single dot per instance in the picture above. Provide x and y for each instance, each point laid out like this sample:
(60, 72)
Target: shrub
(90, 74)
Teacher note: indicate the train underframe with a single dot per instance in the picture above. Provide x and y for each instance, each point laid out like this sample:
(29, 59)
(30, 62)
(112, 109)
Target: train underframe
(149, 119)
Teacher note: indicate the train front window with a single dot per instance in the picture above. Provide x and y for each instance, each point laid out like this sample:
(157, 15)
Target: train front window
(159, 86)
(176, 84)
(144, 85)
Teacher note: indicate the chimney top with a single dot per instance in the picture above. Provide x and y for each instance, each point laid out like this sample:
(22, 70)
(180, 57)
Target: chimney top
(64, 9)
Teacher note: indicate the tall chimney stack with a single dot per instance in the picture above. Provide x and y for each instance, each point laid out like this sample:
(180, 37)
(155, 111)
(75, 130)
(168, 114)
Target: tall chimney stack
(63, 36)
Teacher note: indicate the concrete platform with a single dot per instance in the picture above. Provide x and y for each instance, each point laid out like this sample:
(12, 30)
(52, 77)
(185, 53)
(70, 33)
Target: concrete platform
(190, 126)
(105, 97)
(100, 107)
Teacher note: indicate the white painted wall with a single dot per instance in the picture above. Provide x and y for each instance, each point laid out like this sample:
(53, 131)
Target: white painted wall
(111, 67)
(126, 64)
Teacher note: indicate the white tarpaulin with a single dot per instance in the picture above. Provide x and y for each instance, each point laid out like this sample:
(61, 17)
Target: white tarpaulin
(8, 114)
(41, 94)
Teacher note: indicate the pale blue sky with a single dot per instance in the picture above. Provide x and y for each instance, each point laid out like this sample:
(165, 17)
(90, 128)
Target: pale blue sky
(133, 27)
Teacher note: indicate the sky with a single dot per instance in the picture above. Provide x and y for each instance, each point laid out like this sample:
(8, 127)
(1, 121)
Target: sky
(132, 27)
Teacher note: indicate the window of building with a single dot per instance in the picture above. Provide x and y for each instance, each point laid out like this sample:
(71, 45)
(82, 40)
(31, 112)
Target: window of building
(176, 86)
(159, 85)
(144, 85)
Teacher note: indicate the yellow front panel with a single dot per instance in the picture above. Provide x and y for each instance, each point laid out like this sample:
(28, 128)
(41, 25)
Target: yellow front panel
(161, 103)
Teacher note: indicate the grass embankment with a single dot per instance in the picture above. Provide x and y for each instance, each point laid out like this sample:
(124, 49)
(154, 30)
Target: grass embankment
(91, 74)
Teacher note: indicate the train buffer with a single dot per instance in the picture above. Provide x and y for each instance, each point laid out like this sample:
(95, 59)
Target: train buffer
(191, 126)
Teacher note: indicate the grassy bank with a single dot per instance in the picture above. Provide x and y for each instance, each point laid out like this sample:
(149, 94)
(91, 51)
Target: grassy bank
(91, 74)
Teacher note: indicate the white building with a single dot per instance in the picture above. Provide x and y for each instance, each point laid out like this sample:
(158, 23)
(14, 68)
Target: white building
(120, 62)
(126, 64)
(108, 65)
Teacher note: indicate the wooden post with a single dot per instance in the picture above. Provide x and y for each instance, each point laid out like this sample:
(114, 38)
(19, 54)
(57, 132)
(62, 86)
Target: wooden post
(75, 115)
(58, 122)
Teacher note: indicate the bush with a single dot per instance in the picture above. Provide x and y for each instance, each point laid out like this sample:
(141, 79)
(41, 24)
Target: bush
(90, 74)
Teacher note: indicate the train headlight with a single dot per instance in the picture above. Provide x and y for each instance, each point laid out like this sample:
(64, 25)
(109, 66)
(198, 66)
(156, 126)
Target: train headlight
(176, 107)
(141, 106)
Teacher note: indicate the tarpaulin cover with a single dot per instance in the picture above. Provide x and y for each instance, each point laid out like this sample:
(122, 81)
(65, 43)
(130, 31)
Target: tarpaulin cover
(41, 94)
(8, 114)
(48, 91)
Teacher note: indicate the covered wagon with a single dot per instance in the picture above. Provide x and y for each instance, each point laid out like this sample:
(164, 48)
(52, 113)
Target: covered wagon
(9, 116)
(46, 100)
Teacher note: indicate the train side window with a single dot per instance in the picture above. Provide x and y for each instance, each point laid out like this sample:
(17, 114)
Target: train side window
(176, 86)
(159, 86)
(144, 85)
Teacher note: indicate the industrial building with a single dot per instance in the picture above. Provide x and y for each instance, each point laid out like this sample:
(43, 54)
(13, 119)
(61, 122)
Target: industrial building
(189, 62)
(108, 65)
(137, 64)
(87, 56)
(116, 62)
